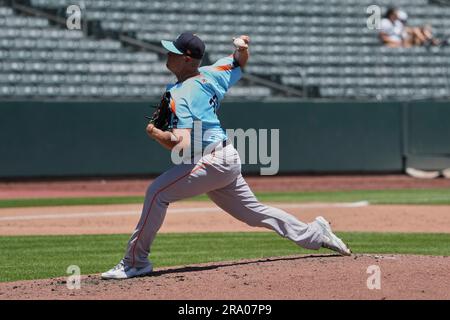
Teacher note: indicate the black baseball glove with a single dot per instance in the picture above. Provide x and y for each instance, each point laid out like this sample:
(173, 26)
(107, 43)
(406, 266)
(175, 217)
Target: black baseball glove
(162, 115)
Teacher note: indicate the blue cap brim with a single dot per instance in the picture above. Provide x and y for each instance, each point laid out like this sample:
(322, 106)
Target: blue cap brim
(168, 45)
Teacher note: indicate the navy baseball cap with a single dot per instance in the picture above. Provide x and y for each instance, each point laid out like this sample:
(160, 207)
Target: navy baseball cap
(186, 43)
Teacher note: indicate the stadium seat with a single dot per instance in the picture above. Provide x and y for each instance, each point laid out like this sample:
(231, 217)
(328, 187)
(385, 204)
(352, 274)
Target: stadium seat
(325, 41)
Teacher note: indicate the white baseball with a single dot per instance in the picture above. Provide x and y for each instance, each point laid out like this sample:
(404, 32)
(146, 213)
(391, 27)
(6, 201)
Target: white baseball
(238, 42)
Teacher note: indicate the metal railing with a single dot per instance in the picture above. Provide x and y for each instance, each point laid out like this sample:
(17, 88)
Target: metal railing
(37, 13)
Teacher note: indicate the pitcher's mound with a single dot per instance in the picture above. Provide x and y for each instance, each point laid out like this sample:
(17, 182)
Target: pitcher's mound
(293, 277)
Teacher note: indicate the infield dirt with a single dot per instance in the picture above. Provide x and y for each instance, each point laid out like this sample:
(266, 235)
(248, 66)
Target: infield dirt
(136, 187)
(205, 216)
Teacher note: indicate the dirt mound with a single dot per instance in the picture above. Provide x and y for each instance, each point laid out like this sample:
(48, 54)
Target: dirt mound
(293, 277)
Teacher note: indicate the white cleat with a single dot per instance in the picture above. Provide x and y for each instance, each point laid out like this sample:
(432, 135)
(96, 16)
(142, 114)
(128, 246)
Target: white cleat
(330, 240)
(121, 271)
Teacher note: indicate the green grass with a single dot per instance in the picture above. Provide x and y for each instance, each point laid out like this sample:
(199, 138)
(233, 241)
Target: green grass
(404, 196)
(52, 202)
(37, 257)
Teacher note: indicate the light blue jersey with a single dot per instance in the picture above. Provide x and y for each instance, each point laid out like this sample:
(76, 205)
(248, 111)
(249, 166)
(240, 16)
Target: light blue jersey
(198, 99)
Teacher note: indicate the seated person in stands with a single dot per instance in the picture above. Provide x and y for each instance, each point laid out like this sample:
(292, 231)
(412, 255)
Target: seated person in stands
(392, 30)
(395, 32)
(417, 36)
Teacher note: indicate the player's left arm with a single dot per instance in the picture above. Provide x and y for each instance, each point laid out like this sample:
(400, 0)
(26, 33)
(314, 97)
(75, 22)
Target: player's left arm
(169, 139)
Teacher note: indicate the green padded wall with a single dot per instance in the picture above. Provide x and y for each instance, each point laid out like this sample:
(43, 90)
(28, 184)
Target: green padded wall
(56, 139)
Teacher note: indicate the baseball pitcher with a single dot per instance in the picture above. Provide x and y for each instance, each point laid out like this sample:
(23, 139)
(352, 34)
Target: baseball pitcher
(196, 97)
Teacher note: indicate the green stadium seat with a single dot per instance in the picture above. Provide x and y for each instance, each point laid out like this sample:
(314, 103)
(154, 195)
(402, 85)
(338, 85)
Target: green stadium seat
(326, 39)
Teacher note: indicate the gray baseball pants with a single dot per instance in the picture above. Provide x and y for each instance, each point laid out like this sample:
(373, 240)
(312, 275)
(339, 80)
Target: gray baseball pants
(217, 174)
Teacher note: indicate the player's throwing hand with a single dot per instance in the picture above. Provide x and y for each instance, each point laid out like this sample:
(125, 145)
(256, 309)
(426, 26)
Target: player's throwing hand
(241, 42)
(241, 54)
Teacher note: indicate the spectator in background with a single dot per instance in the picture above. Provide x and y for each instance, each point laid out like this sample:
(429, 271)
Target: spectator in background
(395, 33)
(417, 36)
(392, 29)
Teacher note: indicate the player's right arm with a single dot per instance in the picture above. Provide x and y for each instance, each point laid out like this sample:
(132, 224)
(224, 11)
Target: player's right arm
(228, 70)
(241, 54)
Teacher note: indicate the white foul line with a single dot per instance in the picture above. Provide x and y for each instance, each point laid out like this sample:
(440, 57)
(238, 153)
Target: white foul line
(180, 210)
